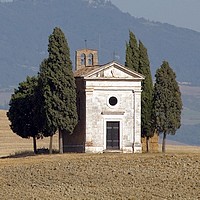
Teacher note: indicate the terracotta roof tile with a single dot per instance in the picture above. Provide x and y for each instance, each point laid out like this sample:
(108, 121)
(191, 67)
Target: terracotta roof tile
(84, 71)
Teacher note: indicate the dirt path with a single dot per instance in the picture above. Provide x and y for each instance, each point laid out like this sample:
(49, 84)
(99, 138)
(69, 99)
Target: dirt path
(103, 176)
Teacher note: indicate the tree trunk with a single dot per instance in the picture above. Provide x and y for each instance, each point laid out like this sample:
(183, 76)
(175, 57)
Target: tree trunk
(147, 143)
(163, 142)
(50, 144)
(34, 145)
(60, 142)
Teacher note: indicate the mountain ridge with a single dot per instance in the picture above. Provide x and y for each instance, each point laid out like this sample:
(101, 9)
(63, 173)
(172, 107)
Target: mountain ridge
(26, 26)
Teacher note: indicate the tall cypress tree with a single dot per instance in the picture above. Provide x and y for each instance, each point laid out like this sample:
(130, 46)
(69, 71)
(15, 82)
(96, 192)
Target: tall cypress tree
(132, 53)
(147, 94)
(167, 102)
(58, 86)
(49, 128)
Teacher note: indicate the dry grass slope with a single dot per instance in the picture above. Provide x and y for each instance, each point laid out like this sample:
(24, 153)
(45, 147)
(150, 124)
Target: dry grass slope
(10, 143)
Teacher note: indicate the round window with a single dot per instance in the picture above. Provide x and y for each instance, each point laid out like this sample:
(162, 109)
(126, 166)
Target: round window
(112, 101)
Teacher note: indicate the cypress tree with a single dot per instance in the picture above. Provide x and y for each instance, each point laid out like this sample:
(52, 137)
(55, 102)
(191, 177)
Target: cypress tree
(58, 87)
(49, 128)
(147, 94)
(167, 102)
(132, 53)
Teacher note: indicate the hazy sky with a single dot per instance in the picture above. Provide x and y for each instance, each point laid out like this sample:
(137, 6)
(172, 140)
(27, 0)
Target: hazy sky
(182, 13)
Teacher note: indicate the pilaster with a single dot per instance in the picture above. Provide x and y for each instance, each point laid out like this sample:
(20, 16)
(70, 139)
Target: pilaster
(137, 146)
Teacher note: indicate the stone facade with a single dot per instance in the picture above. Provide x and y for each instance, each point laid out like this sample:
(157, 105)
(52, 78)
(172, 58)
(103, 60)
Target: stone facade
(109, 108)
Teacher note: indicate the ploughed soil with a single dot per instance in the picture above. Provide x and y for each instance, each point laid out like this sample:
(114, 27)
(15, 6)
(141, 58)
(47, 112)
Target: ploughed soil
(101, 176)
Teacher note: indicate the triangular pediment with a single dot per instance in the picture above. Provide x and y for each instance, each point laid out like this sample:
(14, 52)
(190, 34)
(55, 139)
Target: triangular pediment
(113, 71)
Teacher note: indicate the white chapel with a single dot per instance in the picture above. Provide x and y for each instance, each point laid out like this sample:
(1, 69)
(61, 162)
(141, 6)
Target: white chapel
(108, 105)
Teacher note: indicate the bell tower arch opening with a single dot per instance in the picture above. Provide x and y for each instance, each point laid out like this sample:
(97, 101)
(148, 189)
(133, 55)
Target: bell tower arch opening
(83, 59)
(90, 59)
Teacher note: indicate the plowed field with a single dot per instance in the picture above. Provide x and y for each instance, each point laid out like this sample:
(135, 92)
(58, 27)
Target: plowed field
(101, 176)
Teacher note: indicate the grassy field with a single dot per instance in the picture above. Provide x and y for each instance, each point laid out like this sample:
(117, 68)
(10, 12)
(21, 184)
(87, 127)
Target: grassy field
(183, 149)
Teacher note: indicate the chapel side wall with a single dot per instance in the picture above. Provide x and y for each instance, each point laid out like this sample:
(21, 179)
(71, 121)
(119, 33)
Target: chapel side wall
(76, 142)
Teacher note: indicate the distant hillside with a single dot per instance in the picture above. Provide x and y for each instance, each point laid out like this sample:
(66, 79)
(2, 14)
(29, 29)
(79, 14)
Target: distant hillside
(188, 134)
(26, 25)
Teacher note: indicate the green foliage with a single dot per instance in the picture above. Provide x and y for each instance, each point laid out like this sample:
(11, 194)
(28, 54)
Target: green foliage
(137, 59)
(147, 92)
(48, 128)
(132, 53)
(57, 86)
(42, 105)
(167, 101)
(23, 112)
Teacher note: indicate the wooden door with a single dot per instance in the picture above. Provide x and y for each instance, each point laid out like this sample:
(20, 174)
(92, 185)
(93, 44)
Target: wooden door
(112, 135)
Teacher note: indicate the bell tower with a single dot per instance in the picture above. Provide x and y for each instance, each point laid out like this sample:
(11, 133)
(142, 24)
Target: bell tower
(86, 58)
